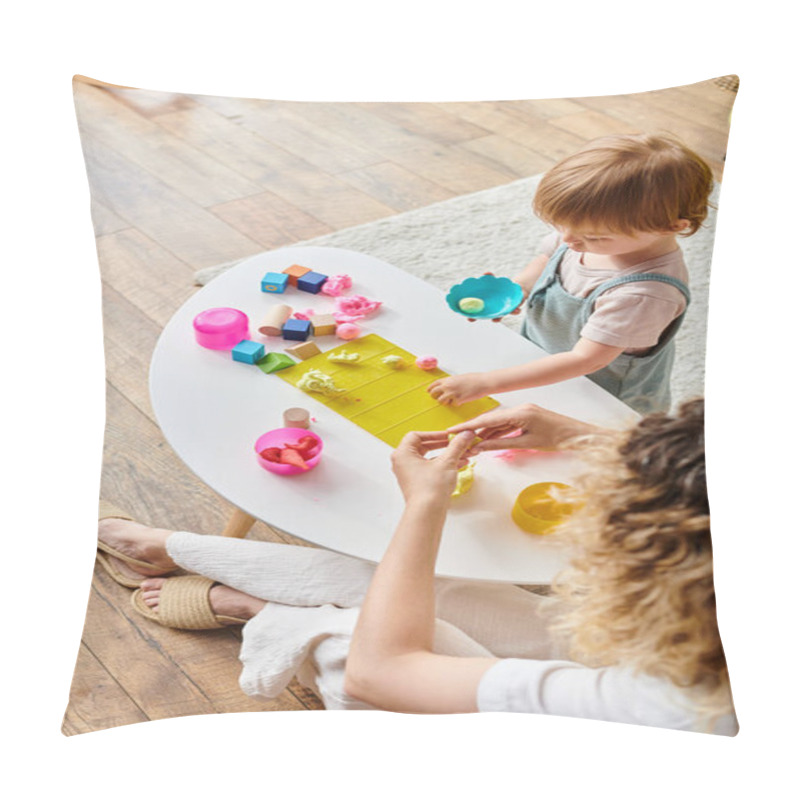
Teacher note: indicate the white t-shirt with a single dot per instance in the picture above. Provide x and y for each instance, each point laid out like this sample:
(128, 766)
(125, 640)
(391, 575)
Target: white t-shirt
(569, 689)
(634, 315)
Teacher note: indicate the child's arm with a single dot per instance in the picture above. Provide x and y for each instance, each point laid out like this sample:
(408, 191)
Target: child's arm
(528, 277)
(586, 357)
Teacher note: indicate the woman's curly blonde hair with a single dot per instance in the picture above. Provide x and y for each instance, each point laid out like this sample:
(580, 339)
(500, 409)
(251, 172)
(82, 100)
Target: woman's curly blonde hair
(639, 591)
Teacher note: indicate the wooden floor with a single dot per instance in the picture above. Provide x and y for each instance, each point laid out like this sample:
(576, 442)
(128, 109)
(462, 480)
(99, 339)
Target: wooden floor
(180, 182)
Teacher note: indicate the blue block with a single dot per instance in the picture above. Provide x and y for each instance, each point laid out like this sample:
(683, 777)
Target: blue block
(297, 329)
(248, 352)
(274, 282)
(311, 282)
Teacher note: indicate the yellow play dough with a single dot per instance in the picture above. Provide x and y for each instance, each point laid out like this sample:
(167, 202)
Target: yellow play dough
(344, 357)
(319, 382)
(464, 480)
(472, 305)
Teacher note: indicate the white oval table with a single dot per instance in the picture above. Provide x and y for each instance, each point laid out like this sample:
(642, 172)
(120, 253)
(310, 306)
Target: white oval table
(212, 409)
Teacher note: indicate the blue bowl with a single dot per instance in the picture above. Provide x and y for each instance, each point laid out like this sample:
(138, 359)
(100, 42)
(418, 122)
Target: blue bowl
(500, 296)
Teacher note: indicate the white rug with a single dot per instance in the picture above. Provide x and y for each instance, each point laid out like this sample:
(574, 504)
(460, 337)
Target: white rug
(495, 231)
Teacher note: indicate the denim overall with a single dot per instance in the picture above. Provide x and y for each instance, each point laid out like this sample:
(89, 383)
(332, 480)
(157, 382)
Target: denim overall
(554, 319)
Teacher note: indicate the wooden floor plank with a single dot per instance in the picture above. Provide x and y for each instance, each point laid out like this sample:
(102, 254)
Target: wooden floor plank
(588, 124)
(96, 700)
(552, 107)
(329, 148)
(427, 120)
(246, 151)
(271, 220)
(166, 216)
(520, 125)
(331, 200)
(104, 220)
(145, 273)
(451, 167)
(515, 157)
(144, 476)
(186, 169)
(153, 681)
(231, 107)
(695, 109)
(130, 338)
(396, 186)
(709, 92)
(150, 103)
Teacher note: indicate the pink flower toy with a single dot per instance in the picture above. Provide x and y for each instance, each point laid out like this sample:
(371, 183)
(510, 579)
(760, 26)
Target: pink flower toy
(336, 285)
(355, 307)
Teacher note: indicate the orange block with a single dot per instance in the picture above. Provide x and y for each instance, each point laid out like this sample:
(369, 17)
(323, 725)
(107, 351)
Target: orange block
(294, 272)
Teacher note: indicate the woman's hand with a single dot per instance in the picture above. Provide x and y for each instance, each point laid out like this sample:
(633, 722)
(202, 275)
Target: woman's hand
(422, 478)
(525, 427)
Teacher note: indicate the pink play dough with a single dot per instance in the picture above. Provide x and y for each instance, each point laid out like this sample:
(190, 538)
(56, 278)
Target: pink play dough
(427, 362)
(347, 330)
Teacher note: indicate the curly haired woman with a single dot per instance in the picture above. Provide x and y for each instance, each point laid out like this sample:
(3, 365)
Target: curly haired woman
(629, 634)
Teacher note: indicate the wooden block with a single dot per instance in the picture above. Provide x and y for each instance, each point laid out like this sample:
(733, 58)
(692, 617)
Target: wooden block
(274, 362)
(311, 282)
(323, 324)
(248, 352)
(274, 282)
(273, 322)
(294, 272)
(297, 329)
(303, 350)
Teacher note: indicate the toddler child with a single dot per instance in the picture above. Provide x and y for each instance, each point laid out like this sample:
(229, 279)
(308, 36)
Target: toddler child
(607, 293)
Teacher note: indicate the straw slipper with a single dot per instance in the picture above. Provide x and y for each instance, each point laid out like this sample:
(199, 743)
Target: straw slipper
(106, 553)
(184, 603)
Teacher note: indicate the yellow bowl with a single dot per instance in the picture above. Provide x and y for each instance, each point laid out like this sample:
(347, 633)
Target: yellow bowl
(537, 511)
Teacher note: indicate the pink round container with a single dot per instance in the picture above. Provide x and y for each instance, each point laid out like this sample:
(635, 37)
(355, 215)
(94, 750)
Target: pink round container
(278, 438)
(221, 328)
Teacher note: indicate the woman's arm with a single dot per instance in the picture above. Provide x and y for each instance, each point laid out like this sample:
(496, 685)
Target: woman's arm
(391, 664)
(584, 359)
(527, 426)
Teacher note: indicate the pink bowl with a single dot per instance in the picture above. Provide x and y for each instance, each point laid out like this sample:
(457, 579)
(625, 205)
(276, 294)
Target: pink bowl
(221, 328)
(280, 437)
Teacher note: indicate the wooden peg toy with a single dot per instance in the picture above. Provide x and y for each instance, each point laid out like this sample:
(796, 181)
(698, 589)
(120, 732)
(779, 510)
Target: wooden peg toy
(273, 321)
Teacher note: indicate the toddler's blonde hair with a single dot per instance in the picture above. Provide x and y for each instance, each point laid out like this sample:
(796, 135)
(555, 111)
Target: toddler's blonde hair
(627, 184)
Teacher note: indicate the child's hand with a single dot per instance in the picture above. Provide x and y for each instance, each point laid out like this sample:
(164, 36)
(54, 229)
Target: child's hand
(526, 291)
(459, 389)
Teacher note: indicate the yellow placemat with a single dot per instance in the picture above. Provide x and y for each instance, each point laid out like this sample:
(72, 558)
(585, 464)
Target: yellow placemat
(386, 402)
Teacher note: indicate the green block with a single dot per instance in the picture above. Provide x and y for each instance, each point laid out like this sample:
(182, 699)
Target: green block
(272, 362)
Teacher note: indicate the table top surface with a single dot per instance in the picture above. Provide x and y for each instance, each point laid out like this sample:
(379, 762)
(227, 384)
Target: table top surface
(212, 409)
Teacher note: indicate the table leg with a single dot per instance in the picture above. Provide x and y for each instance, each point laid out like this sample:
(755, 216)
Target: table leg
(238, 524)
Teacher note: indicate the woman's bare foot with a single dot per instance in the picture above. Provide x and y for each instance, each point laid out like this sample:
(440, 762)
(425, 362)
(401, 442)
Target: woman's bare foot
(224, 601)
(137, 541)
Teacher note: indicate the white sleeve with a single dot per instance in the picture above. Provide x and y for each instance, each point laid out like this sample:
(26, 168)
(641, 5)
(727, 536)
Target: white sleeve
(569, 689)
